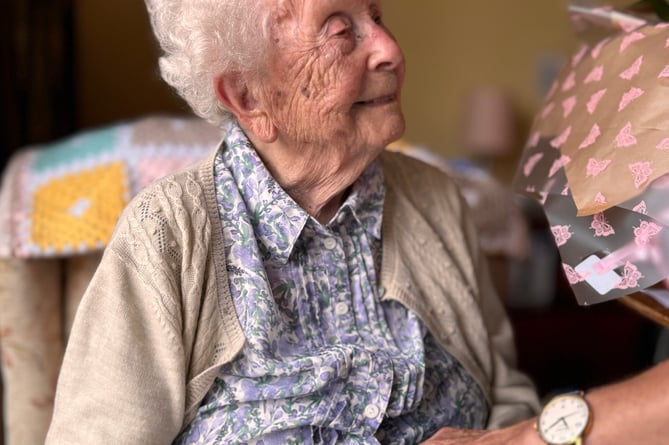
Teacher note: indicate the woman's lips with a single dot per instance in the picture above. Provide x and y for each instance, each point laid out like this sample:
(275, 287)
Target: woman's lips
(378, 101)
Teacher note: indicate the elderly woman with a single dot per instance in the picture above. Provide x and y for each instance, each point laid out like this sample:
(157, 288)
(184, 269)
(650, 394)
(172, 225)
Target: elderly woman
(300, 285)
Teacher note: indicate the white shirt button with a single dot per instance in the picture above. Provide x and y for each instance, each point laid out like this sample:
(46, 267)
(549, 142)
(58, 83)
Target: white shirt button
(371, 411)
(341, 308)
(330, 243)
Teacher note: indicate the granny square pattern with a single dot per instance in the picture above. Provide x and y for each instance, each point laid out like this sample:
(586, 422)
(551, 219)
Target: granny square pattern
(64, 197)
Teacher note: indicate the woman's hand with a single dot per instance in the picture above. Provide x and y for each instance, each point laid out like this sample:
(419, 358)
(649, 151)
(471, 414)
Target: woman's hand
(520, 434)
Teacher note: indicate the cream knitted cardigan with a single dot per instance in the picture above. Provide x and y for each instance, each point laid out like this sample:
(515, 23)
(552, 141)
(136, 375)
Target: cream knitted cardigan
(157, 320)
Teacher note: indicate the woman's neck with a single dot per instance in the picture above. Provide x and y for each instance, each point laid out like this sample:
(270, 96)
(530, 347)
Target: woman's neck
(318, 180)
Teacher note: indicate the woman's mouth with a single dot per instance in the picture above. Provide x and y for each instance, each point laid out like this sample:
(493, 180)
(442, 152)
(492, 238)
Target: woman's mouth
(382, 100)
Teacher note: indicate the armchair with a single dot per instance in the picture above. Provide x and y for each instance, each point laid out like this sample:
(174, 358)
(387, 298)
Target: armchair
(58, 206)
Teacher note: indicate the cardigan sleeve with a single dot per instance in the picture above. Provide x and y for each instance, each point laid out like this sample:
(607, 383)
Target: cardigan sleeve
(123, 379)
(513, 394)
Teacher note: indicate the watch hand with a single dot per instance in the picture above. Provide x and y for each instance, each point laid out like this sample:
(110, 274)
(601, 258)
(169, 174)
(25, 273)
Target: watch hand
(561, 419)
(568, 415)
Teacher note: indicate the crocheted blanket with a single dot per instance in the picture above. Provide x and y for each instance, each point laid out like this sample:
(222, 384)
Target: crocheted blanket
(64, 197)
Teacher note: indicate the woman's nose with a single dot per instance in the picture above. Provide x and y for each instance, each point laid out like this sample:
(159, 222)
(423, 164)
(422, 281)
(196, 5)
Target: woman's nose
(385, 52)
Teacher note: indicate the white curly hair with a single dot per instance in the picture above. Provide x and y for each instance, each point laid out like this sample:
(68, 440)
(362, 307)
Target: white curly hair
(203, 38)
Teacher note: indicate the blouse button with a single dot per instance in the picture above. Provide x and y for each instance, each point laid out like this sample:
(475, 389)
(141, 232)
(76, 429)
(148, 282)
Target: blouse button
(330, 243)
(341, 308)
(371, 411)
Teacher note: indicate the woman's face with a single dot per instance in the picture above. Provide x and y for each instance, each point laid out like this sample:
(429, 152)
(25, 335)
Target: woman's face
(334, 76)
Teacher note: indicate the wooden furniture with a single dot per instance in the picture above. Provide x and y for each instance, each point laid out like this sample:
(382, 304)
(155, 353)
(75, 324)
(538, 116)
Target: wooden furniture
(648, 307)
(567, 346)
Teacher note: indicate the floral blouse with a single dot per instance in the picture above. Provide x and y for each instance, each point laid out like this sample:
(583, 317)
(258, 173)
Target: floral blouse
(325, 361)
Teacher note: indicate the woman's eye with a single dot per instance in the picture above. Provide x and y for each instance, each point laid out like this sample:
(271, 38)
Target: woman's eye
(342, 32)
(339, 28)
(378, 20)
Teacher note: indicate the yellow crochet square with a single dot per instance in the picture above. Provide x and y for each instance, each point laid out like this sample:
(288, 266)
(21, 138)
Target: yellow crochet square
(78, 212)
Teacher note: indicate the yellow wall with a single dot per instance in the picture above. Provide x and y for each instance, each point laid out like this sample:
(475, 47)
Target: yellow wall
(451, 47)
(116, 63)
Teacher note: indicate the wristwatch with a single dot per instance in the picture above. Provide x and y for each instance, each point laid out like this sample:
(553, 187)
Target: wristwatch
(565, 419)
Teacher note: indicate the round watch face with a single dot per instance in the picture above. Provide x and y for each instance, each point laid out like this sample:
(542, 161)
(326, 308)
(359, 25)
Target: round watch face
(564, 419)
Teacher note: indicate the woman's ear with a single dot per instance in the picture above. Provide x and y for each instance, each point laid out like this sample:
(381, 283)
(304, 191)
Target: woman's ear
(235, 95)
